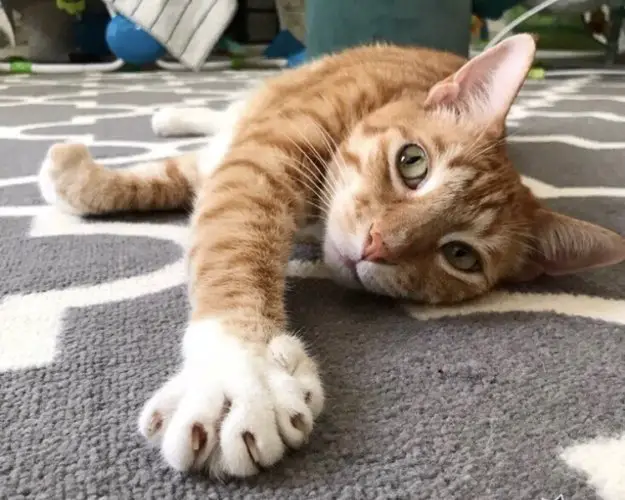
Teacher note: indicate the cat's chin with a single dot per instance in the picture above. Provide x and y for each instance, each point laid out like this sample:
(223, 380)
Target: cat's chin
(371, 277)
(342, 268)
(345, 274)
(360, 276)
(357, 275)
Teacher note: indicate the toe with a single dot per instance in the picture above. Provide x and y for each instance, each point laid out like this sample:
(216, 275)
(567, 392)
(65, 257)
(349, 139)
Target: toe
(164, 122)
(250, 439)
(68, 154)
(295, 428)
(312, 389)
(157, 412)
(192, 435)
(63, 169)
(288, 352)
(188, 442)
(294, 417)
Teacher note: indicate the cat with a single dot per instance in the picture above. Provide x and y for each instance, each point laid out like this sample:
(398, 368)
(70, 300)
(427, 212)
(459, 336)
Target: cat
(400, 153)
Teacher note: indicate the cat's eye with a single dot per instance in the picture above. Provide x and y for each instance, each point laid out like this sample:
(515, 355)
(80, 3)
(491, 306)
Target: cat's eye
(462, 257)
(412, 164)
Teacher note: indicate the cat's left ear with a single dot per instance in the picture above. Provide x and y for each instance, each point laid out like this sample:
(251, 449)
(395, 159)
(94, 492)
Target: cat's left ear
(484, 88)
(564, 245)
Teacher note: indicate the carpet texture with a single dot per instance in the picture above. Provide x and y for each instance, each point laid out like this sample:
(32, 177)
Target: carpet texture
(517, 396)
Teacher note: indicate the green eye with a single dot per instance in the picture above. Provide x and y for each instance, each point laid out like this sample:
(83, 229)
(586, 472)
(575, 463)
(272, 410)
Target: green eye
(462, 256)
(412, 164)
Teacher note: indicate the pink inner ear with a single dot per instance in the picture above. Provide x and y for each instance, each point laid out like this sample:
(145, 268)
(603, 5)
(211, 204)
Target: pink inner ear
(567, 245)
(442, 94)
(600, 257)
(485, 86)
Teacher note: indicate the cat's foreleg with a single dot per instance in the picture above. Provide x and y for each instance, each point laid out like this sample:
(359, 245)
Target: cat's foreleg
(247, 389)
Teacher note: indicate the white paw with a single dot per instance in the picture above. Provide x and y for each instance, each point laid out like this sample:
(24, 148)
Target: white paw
(48, 188)
(169, 122)
(190, 121)
(46, 184)
(235, 407)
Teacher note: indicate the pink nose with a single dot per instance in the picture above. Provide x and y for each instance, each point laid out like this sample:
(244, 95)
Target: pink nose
(374, 249)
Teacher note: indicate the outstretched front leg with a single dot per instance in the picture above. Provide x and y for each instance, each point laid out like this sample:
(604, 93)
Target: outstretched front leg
(247, 390)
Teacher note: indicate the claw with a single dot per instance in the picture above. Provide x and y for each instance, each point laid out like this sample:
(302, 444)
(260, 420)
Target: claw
(252, 448)
(234, 429)
(198, 437)
(297, 421)
(156, 422)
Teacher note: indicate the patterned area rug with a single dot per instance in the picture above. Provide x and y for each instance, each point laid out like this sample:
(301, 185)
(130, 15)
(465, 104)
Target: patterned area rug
(517, 396)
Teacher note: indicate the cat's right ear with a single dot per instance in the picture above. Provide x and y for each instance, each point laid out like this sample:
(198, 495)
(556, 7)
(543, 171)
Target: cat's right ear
(484, 88)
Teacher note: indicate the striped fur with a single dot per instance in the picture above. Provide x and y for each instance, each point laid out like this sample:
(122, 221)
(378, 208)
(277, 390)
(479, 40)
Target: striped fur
(348, 113)
(322, 141)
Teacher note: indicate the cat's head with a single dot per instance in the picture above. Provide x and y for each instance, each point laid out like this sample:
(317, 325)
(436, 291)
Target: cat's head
(426, 204)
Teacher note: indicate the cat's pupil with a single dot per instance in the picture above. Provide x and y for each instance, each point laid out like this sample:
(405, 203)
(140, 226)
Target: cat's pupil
(461, 256)
(411, 162)
(411, 159)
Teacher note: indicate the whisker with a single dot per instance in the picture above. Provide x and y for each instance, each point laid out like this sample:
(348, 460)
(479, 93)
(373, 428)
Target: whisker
(472, 153)
(315, 184)
(307, 180)
(341, 159)
(316, 194)
(487, 148)
(329, 178)
(320, 186)
(330, 148)
(309, 183)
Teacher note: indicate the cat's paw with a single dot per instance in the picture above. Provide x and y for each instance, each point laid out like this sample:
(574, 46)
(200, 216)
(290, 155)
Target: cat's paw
(169, 122)
(63, 171)
(190, 121)
(235, 407)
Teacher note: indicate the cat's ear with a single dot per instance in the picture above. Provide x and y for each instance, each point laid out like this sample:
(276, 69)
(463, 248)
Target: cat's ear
(484, 88)
(564, 245)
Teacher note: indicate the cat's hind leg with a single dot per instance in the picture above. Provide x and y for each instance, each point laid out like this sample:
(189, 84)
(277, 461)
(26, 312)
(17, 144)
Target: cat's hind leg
(71, 180)
(181, 121)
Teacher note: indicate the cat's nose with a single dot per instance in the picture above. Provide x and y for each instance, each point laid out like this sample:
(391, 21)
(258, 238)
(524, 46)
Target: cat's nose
(375, 249)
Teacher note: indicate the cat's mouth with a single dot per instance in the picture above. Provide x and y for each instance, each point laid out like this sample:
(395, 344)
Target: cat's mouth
(344, 267)
(350, 265)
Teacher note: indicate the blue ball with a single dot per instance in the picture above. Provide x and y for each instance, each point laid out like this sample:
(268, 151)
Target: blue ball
(296, 59)
(131, 43)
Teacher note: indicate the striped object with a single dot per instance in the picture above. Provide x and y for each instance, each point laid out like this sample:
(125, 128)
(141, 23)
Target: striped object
(189, 29)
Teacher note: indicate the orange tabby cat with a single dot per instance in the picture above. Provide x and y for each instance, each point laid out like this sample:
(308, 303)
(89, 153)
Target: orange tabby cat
(400, 152)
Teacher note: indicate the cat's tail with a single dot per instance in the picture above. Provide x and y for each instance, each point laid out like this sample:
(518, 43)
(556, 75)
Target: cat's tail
(75, 183)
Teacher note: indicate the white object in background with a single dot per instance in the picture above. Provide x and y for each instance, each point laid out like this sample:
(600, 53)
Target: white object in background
(6, 27)
(188, 30)
(292, 16)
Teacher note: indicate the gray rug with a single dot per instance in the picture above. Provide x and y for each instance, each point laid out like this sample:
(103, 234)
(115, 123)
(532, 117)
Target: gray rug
(518, 396)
